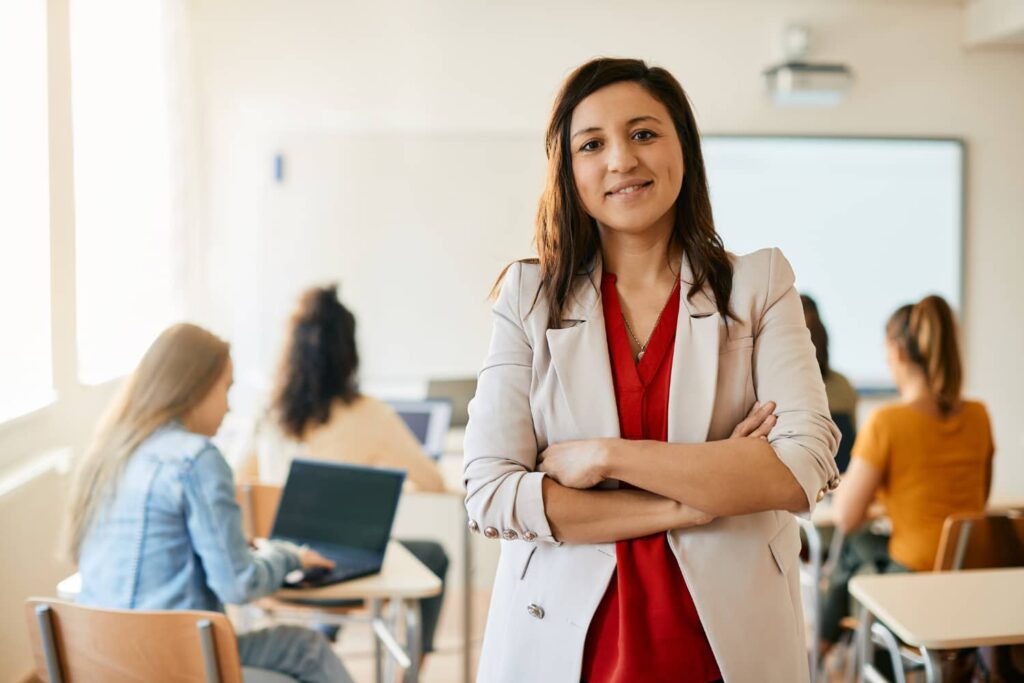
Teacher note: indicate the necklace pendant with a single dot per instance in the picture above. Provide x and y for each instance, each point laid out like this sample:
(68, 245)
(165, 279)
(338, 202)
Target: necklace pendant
(639, 355)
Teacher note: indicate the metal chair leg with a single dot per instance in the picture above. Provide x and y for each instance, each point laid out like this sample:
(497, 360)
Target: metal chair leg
(378, 654)
(413, 638)
(44, 615)
(209, 651)
(888, 640)
(932, 665)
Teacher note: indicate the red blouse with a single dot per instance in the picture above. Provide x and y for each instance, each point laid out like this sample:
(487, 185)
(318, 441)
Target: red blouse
(646, 627)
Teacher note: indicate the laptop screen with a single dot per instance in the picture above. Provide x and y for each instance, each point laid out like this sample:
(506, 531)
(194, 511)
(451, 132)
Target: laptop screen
(428, 420)
(338, 504)
(417, 422)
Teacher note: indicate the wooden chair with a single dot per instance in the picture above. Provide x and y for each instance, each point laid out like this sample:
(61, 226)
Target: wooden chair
(981, 541)
(72, 643)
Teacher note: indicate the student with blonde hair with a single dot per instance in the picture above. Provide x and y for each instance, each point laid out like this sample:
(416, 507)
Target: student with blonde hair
(152, 520)
(927, 456)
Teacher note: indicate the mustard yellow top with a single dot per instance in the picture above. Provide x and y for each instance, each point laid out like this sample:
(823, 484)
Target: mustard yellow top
(931, 468)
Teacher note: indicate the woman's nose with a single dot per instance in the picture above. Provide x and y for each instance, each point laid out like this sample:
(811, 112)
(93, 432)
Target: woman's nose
(621, 158)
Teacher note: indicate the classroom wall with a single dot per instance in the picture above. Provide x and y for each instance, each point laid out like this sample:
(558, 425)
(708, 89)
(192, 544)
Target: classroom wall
(271, 69)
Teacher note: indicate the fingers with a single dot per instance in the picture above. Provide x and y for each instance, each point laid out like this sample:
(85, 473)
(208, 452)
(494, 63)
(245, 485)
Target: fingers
(755, 419)
(764, 428)
(310, 558)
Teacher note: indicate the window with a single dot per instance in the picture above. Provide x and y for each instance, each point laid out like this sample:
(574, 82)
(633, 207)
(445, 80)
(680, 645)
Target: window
(128, 287)
(26, 370)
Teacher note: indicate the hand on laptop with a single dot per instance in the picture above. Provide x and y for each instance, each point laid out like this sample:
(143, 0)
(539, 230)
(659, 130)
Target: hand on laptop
(311, 559)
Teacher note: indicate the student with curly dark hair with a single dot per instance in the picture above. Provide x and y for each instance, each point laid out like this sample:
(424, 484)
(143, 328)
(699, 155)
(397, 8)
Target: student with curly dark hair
(317, 410)
(316, 399)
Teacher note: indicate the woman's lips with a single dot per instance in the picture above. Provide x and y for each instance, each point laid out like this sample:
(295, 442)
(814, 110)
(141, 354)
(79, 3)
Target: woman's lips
(631, 192)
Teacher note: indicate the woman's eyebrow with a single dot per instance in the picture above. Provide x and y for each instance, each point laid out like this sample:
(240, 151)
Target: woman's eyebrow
(632, 121)
(592, 129)
(646, 117)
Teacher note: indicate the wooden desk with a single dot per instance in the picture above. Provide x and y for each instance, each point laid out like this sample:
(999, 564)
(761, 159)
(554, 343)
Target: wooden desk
(402, 577)
(944, 610)
(403, 581)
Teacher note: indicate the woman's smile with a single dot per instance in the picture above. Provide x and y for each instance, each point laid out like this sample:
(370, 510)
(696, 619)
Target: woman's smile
(630, 191)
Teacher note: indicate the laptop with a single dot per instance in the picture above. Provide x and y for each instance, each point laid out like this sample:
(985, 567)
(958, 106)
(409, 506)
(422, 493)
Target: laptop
(344, 512)
(428, 420)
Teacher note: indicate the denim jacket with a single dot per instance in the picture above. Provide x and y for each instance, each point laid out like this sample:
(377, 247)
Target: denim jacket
(169, 535)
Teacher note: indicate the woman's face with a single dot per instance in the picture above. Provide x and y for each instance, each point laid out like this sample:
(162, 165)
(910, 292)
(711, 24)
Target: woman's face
(206, 416)
(627, 160)
(896, 358)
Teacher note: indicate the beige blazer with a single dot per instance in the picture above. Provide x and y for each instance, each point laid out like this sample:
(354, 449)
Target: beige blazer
(542, 386)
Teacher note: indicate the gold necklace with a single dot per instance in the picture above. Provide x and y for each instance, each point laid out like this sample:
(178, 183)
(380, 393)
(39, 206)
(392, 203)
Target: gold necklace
(643, 347)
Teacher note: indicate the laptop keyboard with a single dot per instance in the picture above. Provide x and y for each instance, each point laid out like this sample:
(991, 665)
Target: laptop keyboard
(347, 566)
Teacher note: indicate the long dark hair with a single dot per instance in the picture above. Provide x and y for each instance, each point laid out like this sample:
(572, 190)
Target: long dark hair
(926, 331)
(566, 237)
(819, 335)
(319, 362)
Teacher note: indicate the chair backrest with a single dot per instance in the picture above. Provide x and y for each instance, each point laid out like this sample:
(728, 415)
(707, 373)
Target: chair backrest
(844, 422)
(259, 507)
(981, 540)
(77, 644)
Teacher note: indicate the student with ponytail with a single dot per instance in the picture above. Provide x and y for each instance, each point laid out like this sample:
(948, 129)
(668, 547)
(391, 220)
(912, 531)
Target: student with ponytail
(927, 456)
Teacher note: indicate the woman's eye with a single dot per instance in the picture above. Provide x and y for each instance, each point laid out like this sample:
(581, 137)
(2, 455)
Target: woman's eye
(590, 145)
(644, 135)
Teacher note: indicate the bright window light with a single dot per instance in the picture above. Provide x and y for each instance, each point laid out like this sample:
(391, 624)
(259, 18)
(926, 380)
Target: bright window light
(126, 264)
(26, 372)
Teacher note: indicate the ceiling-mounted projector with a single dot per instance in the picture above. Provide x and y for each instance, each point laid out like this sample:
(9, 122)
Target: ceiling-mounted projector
(797, 82)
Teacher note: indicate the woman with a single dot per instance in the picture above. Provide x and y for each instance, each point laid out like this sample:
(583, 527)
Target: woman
(318, 410)
(610, 411)
(153, 522)
(928, 456)
(842, 397)
(317, 407)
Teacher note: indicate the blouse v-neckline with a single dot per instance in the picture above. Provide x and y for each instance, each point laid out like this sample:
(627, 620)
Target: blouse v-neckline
(661, 339)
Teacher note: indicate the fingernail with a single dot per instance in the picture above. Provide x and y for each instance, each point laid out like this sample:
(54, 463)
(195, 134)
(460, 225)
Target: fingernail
(757, 404)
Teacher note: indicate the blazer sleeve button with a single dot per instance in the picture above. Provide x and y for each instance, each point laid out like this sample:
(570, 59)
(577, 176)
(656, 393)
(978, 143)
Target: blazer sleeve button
(535, 611)
(473, 526)
(529, 536)
(820, 496)
(509, 534)
(491, 532)
(833, 483)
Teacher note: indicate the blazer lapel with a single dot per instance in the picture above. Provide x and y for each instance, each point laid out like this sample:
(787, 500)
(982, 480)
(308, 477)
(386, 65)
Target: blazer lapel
(579, 353)
(694, 364)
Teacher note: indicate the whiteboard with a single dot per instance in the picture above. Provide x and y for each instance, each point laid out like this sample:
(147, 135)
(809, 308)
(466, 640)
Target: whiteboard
(868, 225)
(416, 225)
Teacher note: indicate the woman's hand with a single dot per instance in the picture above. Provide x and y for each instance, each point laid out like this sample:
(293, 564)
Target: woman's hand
(311, 559)
(758, 422)
(689, 517)
(577, 464)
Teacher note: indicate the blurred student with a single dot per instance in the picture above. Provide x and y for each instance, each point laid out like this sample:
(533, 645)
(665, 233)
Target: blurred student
(318, 412)
(842, 397)
(153, 522)
(927, 456)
